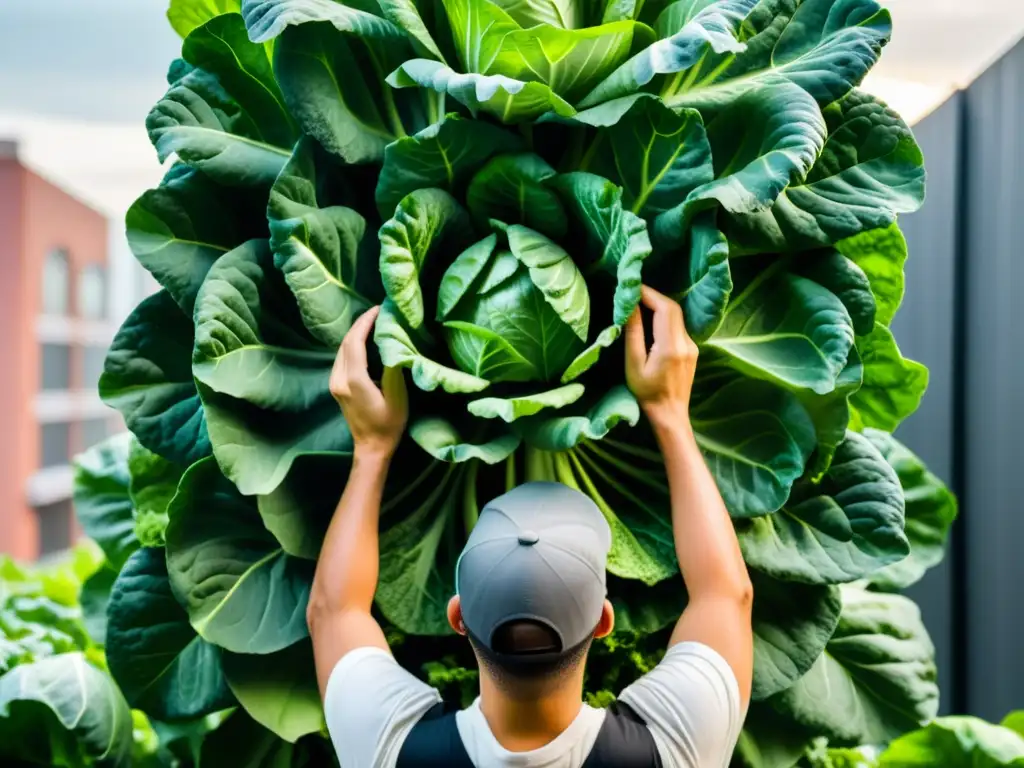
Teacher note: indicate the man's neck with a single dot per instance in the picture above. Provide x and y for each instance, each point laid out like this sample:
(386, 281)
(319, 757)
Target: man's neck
(525, 723)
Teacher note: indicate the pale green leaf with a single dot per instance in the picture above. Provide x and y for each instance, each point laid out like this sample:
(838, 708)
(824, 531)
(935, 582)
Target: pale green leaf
(893, 385)
(509, 100)
(327, 261)
(616, 240)
(154, 481)
(553, 271)
(64, 711)
(442, 440)
(186, 15)
(462, 273)
(581, 421)
(881, 254)
(511, 408)
(427, 223)
(278, 691)
(398, 349)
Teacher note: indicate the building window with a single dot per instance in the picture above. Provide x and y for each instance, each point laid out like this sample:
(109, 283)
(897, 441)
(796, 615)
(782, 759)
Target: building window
(56, 282)
(56, 363)
(94, 431)
(92, 292)
(55, 527)
(55, 445)
(93, 359)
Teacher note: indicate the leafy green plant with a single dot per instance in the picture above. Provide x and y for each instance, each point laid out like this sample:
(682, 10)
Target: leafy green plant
(58, 704)
(952, 742)
(502, 177)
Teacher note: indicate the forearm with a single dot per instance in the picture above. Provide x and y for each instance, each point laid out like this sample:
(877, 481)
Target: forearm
(705, 540)
(346, 572)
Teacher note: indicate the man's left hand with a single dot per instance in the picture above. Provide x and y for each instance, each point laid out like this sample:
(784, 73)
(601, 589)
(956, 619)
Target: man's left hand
(376, 415)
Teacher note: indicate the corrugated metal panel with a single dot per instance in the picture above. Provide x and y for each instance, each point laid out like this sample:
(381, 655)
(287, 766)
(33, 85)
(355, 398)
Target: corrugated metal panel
(924, 328)
(994, 380)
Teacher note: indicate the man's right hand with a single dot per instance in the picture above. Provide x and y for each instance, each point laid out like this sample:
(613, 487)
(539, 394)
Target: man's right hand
(661, 379)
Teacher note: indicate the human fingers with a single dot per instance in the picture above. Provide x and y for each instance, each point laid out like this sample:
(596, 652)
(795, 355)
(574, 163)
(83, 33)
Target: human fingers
(393, 385)
(354, 343)
(669, 328)
(636, 342)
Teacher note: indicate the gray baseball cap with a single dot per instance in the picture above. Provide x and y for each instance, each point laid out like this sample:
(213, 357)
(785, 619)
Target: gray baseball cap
(537, 553)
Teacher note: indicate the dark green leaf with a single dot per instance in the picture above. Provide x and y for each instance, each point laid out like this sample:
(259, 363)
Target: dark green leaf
(755, 437)
(931, 510)
(869, 170)
(255, 361)
(163, 667)
(510, 188)
(102, 503)
(240, 589)
(876, 679)
(179, 229)
(658, 156)
(444, 155)
(224, 113)
(786, 329)
(334, 83)
(836, 531)
(792, 624)
(148, 378)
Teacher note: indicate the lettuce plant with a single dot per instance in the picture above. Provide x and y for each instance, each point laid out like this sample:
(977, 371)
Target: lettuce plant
(503, 176)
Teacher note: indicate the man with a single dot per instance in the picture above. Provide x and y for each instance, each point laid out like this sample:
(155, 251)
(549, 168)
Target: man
(531, 598)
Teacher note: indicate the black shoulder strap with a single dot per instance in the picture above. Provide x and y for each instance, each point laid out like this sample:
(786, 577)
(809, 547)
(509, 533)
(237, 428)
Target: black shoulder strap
(434, 742)
(624, 741)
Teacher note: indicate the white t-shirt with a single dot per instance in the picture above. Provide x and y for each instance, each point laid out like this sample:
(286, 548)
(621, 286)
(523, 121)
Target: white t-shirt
(690, 702)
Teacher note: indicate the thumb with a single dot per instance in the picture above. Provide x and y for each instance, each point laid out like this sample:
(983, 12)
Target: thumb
(392, 384)
(636, 342)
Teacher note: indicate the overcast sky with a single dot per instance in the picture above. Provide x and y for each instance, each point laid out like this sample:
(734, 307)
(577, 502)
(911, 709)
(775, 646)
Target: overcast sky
(77, 78)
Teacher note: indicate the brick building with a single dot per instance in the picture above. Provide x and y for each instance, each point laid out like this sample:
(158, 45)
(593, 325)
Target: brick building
(54, 332)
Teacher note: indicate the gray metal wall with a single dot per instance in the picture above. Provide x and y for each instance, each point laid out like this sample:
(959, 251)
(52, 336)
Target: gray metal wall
(993, 370)
(924, 328)
(964, 317)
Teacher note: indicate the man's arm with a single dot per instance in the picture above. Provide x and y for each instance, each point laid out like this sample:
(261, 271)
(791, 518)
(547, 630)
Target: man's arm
(720, 594)
(346, 573)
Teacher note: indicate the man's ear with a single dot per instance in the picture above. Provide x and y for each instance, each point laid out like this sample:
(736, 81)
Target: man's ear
(606, 623)
(455, 615)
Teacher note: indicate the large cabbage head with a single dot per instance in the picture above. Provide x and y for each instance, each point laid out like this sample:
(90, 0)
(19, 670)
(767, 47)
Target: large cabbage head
(502, 176)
